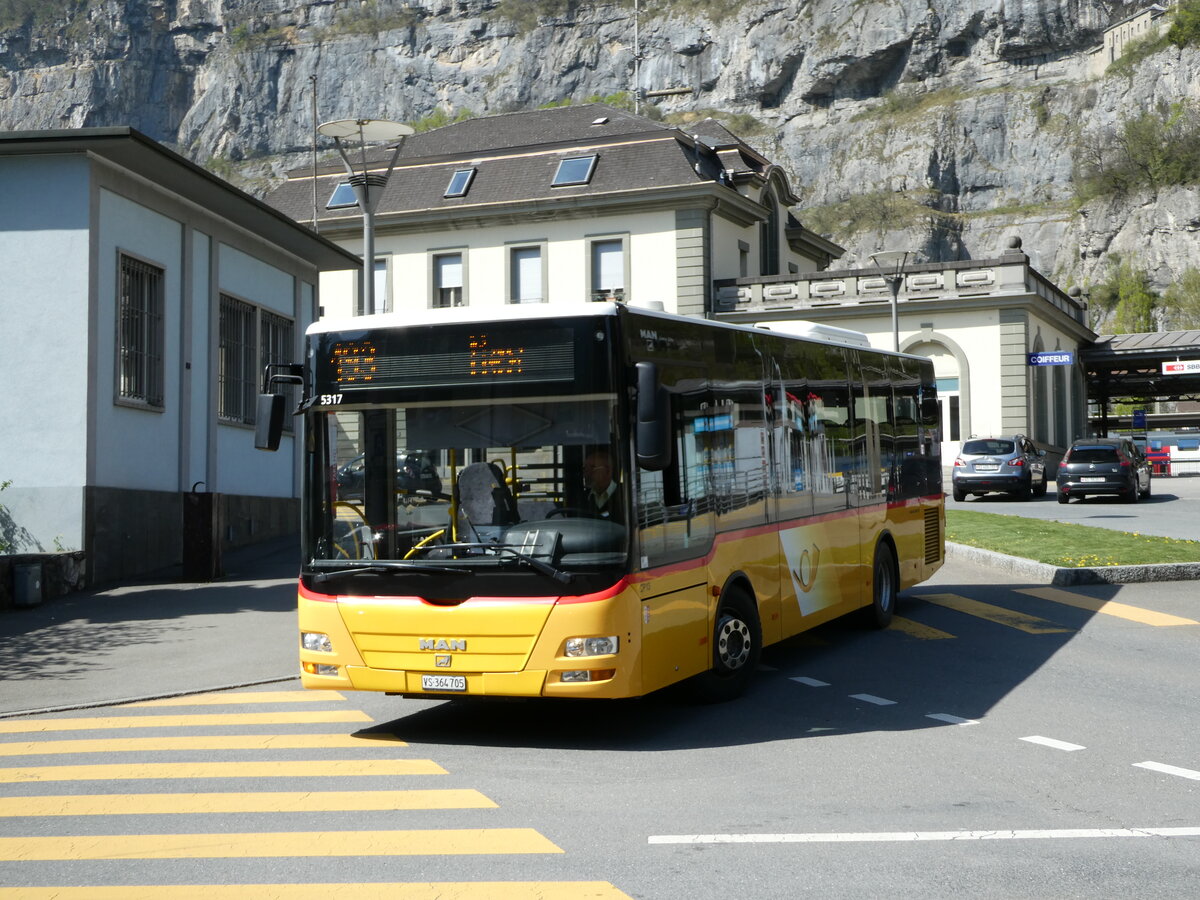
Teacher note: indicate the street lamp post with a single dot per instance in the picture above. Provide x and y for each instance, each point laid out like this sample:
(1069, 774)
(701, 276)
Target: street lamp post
(891, 266)
(362, 180)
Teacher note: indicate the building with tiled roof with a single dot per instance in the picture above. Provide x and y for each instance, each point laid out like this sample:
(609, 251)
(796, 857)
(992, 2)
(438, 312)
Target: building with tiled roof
(563, 204)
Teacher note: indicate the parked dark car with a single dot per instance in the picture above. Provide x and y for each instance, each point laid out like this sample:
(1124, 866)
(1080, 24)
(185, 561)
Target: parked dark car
(1104, 466)
(414, 471)
(1012, 465)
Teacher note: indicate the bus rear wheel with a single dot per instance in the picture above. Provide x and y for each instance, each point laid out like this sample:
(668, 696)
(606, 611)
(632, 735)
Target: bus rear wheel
(885, 588)
(737, 645)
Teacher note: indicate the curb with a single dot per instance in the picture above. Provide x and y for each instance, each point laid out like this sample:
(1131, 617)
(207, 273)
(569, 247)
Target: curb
(97, 704)
(1061, 576)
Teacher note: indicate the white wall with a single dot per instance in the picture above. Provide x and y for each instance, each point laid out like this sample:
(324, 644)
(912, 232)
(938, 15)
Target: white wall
(652, 256)
(241, 469)
(43, 347)
(136, 448)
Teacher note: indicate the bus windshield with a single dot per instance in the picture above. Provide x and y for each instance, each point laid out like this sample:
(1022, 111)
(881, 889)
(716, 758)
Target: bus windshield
(532, 485)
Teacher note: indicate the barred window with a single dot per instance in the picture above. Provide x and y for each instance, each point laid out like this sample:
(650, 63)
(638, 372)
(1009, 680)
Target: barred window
(251, 338)
(237, 356)
(140, 333)
(277, 348)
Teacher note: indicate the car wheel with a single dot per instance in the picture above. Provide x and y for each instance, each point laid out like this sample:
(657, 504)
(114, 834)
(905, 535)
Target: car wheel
(1132, 496)
(1040, 490)
(959, 495)
(1146, 493)
(1023, 493)
(1063, 498)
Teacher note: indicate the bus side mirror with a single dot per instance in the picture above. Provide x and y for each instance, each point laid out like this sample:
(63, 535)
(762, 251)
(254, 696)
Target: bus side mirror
(653, 437)
(268, 421)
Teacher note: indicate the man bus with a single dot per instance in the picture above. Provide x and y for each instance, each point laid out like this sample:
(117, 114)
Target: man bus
(767, 483)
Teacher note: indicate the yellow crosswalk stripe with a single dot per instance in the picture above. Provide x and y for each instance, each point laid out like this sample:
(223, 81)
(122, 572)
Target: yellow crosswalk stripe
(260, 802)
(227, 698)
(202, 742)
(459, 890)
(918, 630)
(431, 842)
(196, 720)
(314, 768)
(1108, 607)
(997, 614)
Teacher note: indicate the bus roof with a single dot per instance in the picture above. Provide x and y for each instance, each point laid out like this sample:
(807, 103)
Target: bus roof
(511, 312)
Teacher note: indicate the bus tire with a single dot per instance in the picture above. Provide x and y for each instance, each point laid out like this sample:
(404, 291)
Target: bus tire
(885, 588)
(737, 645)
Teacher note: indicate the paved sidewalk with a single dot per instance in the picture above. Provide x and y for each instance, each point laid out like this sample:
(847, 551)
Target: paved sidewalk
(156, 638)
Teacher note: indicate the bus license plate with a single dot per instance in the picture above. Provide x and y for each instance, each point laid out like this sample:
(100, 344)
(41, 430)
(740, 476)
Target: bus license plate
(1092, 479)
(443, 682)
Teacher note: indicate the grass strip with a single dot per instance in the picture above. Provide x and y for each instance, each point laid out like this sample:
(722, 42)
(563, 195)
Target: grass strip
(1062, 544)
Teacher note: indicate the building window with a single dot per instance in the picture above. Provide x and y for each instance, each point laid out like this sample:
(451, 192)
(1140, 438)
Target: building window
(277, 347)
(140, 333)
(250, 339)
(460, 183)
(383, 302)
(769, 236)
(343, 197)
(448, 280)
(574, 170)
(525, 275)
(608, 270)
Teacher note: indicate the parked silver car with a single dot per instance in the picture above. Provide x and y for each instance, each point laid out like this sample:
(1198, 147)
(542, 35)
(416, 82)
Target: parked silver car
(1011, 465)
(1104, 466)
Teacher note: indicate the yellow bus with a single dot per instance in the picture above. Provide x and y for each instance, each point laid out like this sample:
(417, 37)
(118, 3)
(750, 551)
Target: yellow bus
(598, 500)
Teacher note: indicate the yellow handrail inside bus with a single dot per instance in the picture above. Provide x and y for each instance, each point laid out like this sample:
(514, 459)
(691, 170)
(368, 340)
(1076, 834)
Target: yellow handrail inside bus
(421, 543)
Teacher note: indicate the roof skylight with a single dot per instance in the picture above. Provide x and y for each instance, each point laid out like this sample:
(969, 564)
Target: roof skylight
(343, 197)
(574, 170)
(460, 183)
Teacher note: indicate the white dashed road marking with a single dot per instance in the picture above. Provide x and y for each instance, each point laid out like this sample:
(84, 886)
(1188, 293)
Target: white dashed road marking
(1051, 742)
(871, 698)
(896, 836)
(953, 720)
(811, 682)
(1169, 770)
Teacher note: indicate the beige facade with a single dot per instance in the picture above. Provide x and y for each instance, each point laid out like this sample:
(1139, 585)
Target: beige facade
(978, 320)
(1117, 37)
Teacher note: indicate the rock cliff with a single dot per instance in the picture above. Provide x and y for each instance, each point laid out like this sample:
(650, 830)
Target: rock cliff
(939, 126)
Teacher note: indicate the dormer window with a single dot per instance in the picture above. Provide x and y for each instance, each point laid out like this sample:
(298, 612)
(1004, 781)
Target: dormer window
(343, 197)
(574, 170)
(460, 183)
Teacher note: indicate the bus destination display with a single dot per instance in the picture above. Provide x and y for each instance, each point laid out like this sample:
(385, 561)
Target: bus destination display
(470, 357)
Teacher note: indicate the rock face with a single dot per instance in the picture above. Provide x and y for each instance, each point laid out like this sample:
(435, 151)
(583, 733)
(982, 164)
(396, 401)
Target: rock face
(944, 127)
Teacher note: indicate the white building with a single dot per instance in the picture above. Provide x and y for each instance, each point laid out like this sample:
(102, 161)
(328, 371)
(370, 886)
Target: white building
(141, 298)
(561, 205)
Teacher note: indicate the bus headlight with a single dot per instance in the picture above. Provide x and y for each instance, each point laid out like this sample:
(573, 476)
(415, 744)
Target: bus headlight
(593, 646)
(311, 640)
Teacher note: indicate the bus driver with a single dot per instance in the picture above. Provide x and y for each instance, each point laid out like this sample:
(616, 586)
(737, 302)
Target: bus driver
(602, 499)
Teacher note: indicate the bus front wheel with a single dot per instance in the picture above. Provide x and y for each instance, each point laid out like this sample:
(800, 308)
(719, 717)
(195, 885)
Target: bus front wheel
(737, 645)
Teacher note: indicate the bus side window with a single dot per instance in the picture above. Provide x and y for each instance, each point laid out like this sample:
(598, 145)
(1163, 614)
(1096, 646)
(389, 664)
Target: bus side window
(674, 516)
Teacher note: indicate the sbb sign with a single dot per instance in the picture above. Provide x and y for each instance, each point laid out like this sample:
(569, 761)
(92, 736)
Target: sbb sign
(1181, 367)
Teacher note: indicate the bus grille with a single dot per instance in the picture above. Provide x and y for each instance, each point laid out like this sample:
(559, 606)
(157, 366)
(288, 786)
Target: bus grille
(933, 536)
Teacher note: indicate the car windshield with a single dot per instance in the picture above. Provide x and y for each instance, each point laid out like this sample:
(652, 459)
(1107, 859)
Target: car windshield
(455, 487)
(987, 447)
(1093, 455)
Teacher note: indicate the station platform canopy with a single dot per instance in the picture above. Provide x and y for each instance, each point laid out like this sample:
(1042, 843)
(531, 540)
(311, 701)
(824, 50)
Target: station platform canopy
(1142, 368)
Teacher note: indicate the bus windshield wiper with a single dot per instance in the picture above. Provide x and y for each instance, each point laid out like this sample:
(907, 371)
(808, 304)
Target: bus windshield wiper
(539, 565)
(385, 568)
